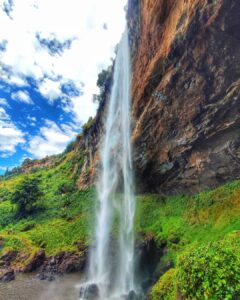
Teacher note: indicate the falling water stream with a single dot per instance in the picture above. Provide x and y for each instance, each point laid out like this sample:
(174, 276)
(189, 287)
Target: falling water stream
(114, 278)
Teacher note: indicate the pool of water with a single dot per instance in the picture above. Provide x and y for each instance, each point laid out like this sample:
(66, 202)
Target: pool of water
(28, 287)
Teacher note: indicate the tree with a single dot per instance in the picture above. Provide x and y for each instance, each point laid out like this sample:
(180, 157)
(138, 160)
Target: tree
(102, 80)
(26, 196)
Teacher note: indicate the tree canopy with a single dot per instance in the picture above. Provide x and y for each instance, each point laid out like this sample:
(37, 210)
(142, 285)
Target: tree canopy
(27, 195)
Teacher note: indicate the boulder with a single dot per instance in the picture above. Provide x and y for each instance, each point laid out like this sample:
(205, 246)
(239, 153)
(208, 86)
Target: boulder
(9, 256)
(35, 262)
(6, 275)
(89, 292)
(71, 263)
(64, 262)
(46, 276)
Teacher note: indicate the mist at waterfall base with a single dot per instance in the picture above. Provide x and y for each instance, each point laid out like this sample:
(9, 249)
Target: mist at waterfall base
(111, 275)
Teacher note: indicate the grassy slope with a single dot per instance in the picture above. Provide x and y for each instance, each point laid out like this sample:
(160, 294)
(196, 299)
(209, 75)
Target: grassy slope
(184, 220)
(202, 234)
(183, 223)
(64, 219)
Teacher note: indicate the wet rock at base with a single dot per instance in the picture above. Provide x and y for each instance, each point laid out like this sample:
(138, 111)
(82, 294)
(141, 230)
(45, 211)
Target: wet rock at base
(64, 262)
(46, 277)
(36, 261)
(131, 296)
(6, 275)
(90, 292)
(8, 257)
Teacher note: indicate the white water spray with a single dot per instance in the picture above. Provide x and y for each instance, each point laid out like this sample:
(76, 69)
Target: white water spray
(115, 278)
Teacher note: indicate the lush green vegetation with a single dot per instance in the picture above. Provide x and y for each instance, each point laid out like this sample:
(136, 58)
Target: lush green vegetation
(201, 233)
(27, 196)
(63, 220)
(165, 288)
(104, 83)
(89, 124)
(211, 271)
(202, 238)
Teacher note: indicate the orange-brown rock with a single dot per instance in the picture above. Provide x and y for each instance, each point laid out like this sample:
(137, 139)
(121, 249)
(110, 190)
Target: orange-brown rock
(186, 93)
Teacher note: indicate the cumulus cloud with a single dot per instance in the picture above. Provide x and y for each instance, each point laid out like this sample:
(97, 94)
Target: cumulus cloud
(53, 45)
(52, 139)
(50, 89)
(13, 79)
(10, 135)
(3, 102)
(22, 96)
(66, 39)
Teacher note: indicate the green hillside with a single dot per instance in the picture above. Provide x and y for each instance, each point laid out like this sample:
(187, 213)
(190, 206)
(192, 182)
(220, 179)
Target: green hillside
(195, 231)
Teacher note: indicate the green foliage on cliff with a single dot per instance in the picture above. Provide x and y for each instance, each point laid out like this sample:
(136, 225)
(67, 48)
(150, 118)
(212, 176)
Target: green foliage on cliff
(211, 271)
(165, 288)
(88, 125)
(184, 220)
(201, 235)
(26, 196)
(104, 83)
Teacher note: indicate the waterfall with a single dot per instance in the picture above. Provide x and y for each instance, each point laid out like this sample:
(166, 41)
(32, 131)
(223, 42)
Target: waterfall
(113, 278)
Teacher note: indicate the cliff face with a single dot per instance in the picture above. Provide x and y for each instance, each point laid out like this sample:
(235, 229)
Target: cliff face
(185, 97)
(186, 93)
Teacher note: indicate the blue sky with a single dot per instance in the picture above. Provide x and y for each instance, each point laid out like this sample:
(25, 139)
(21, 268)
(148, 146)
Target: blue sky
(50, 54)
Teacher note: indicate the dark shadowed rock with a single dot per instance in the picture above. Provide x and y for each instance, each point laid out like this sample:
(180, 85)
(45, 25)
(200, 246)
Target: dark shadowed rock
(89, 292)
(71, 263)
(35, 262)
(132, 295)
(64, 262)
(46, 277)
(6, 275)
(186, 94)
(8, 257)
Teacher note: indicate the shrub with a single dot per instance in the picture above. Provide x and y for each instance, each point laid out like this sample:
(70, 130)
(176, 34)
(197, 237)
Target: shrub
(66, 187)
(211, 272)
(7, 213)
(165, 288)
(88, 125)
(26, 196)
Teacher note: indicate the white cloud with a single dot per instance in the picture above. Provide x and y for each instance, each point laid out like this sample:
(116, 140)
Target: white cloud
(11, 79)
(17, 80)
(10, 135)
(50, 89)
(4, 102)
(91, 48)
(22, 96)
(32, 120)
(52, 139)
(3, 115)
(83, 107)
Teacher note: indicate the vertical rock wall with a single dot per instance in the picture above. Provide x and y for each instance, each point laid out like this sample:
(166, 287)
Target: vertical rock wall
(186, 93)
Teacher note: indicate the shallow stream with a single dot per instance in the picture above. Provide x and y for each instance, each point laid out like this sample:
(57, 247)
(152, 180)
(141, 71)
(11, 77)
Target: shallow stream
(28, 287)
